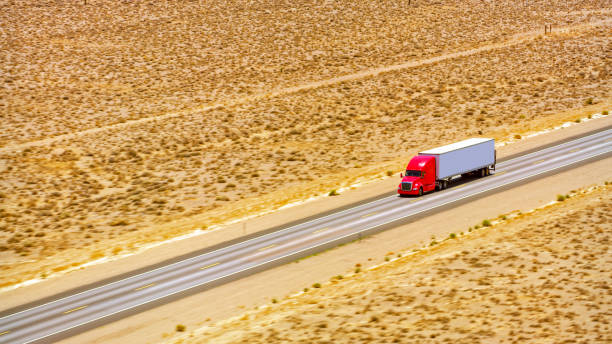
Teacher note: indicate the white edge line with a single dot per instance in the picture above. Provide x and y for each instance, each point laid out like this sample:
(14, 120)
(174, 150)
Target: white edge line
(196, 257)
(472, 185)
(277, 232)
(578, 140)
(308, 248)
(491, 188)
(280, 231)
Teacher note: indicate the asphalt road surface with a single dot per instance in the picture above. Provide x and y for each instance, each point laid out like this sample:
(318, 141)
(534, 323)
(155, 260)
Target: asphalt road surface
(68, 315)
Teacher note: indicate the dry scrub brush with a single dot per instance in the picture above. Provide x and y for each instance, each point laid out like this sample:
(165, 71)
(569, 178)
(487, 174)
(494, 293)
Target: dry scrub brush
(544, 278)
(67, 66)
(97, 187)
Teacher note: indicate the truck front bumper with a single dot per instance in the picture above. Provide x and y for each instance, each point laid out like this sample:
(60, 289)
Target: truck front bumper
(404, 192)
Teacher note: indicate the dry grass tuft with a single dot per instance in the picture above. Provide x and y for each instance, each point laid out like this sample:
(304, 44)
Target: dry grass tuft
(69, 67)
(543, 277)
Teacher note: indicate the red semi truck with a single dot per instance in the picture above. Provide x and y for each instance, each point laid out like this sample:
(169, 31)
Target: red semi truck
(433, 169)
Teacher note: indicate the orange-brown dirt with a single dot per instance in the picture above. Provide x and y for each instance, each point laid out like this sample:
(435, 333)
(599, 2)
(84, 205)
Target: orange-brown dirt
(245, 111)
(69, 66)
(538, 277)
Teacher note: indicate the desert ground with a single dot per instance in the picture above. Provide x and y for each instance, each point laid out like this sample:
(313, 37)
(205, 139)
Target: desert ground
(70, 66)
(133, 122)
(541, 276)
(233, 299)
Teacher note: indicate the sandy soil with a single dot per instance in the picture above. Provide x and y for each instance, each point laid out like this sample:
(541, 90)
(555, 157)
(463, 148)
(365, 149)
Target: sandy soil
(538, 277)
(234, 298)
(127, 123)
(167, 251)
(101, 194)
(69, 67)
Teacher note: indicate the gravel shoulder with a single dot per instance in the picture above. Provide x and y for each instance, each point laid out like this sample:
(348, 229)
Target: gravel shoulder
(541, 276)
(128, 126)
(105, 194)
(235, 297)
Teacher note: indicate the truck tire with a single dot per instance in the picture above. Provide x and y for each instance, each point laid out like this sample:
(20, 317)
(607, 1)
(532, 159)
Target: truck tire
(421, 191)
(482, 172)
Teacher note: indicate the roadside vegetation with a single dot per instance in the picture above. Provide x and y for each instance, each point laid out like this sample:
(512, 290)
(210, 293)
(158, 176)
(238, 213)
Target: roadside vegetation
(523, 279)
(67, 196)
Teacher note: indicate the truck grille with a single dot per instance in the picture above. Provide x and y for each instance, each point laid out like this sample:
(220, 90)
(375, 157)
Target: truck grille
(406, 186)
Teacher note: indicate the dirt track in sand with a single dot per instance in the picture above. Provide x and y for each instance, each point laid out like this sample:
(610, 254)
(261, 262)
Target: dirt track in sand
(70, 67)
(77, 198)
(518, 39)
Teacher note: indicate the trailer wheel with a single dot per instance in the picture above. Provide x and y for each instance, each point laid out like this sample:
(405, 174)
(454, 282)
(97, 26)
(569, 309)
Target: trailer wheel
(421, 191)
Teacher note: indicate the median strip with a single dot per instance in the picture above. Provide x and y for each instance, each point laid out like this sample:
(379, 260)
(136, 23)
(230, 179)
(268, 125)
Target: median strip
(145, 287)
(574, 150)
(209, 266)
(539, 161)
(74, 309)
(499, 174)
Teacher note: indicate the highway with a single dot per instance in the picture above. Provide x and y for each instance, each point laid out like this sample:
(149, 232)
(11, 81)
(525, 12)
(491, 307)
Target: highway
(75, 313)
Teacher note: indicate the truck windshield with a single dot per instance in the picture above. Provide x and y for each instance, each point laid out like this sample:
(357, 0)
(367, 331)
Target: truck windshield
(413, 173)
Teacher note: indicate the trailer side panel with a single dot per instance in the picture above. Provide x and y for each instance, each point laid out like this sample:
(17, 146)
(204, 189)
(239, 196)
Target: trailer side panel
(464, 159)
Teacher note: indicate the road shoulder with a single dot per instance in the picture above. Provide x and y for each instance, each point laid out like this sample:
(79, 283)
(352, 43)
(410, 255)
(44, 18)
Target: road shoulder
(193, 311)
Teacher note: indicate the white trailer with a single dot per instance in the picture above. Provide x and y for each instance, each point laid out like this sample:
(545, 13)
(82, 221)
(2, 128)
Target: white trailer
(460, 158)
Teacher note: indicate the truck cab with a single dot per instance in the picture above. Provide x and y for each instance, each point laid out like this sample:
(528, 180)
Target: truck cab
(436, 168)
(420, 176)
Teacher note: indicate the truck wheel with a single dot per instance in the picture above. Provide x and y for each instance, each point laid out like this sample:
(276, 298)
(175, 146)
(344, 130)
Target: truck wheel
(421, 191)
(482, 172)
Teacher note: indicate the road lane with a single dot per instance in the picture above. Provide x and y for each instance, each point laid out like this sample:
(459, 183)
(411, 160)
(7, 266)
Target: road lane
(56, 317)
